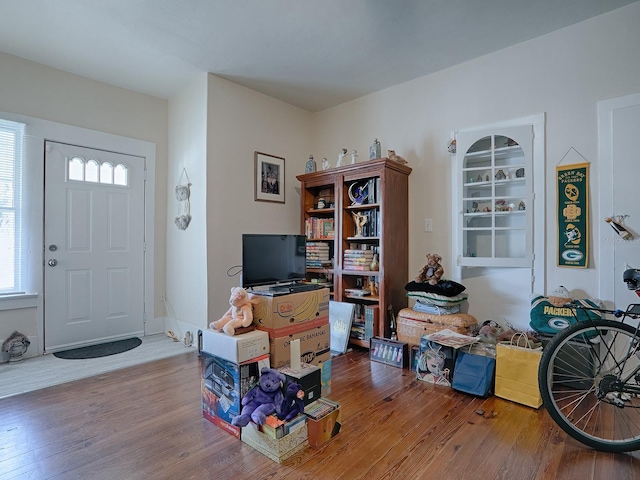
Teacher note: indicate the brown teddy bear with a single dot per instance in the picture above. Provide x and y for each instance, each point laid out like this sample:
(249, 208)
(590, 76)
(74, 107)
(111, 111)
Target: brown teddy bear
(239, 315)
(432, 271)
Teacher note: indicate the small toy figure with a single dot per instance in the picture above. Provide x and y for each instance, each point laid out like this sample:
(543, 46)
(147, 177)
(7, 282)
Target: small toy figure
(325, 163)
(341, 156)
(354, 155)
(432, 271)
(240, 314)
(396, 158)
(292, 404)
(262, 400)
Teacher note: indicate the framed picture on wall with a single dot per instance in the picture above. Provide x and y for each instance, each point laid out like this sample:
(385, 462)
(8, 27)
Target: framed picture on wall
(269, 178)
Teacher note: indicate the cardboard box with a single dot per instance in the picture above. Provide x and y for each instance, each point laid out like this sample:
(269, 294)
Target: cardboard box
(223, 385)
(237, 348)
(276, 428)
(310, 379)
(323, 421)
(277, 450)
(283, 314)
(314, 346)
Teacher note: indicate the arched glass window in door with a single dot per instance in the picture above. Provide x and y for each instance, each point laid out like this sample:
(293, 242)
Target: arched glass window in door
(95, 172)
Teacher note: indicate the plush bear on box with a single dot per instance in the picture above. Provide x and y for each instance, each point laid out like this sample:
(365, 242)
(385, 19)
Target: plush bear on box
(432, 271)
(262, 400)
(292, 404)
(239, 315)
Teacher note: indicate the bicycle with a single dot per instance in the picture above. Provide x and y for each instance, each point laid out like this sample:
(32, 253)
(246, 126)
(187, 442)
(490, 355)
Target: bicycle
(589, 378)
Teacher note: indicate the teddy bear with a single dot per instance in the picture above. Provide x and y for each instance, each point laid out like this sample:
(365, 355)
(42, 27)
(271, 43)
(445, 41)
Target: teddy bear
(262, 400)
(432, 271)
(292, 404)
(239, 315)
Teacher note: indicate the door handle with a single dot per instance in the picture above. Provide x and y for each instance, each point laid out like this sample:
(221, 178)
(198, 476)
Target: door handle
(53, 262)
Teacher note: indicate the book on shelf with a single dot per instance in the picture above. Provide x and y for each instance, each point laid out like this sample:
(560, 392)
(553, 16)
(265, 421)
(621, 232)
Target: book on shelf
(371, 316)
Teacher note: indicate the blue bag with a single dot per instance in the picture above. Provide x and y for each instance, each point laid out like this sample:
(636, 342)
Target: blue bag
(474, 374)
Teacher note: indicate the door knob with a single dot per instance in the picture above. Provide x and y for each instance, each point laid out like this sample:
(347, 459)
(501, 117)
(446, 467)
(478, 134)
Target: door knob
(53, 262)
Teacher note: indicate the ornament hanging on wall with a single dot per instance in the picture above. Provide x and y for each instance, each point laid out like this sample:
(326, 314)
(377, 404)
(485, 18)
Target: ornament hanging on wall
(183, 192)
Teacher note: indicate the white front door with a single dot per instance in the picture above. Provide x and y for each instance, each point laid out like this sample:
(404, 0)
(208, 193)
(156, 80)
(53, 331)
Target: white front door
(94, 246)
(619, 124)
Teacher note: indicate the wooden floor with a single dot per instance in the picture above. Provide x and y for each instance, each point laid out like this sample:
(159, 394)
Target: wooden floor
(145, 422)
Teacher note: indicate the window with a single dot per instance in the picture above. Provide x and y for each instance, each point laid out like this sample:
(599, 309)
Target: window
(11, 160)
(93, 171)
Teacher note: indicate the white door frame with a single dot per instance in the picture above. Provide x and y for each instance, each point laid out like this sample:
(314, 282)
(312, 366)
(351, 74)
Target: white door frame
(37, 131)
(605, 185)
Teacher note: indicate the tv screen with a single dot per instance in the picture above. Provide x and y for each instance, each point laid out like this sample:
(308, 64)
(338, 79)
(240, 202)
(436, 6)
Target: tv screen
(271, 259)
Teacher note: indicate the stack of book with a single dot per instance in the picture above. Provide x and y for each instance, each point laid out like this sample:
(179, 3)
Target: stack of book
(355, 259)
(320, 408)
(318, 255)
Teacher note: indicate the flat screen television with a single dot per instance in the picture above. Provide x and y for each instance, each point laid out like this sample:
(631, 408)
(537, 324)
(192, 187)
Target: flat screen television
(271, 259)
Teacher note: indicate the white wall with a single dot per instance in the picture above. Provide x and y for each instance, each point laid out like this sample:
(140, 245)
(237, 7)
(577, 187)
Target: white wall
(563, 74)
(186, 286)
(240, 122)
(33, 90)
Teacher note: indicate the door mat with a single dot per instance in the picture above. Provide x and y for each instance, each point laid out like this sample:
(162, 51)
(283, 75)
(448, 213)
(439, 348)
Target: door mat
(101, 350)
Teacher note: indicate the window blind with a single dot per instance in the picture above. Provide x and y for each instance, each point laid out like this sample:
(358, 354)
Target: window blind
(11, 162)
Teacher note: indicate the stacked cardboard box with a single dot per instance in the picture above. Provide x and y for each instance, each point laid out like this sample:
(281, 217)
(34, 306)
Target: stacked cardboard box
(230, 366)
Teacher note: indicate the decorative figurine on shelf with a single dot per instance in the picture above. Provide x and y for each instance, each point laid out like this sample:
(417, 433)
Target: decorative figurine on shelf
(500, 175)
(521, 205)
(354, 156)
(520, 173)
(396, 158)
(374, 150)
(310, 165)
(375, 263)
(393, 329)
(359, 220)
(358, 193)
(451, 148)
(325, 163)
(341, 155)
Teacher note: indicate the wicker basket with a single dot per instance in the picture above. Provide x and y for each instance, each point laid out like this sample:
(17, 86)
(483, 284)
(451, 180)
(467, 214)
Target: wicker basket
(412, 325)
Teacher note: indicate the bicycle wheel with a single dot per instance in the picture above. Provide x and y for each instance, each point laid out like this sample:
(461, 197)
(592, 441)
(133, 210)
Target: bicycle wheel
(589, 379)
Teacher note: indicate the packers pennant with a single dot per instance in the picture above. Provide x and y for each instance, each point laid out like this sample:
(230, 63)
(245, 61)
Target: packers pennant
(573, 215)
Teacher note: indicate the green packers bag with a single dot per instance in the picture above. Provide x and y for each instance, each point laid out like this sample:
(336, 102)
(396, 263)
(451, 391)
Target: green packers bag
(549, 319)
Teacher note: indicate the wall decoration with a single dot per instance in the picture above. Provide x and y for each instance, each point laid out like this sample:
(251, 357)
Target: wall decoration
(573, 215)
(183, 192)
(269, 178)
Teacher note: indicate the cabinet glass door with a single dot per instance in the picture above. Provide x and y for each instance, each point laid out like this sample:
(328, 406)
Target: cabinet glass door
(496, 201)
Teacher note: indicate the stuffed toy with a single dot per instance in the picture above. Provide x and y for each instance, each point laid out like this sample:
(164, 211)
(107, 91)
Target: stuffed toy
(560, 296)
(292, 404)
(239, 315)
(262, 400)
(432, 271)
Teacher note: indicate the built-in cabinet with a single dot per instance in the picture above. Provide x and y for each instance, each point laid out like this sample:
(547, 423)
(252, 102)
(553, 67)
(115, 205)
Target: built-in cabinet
(356, 221)
(495, 200)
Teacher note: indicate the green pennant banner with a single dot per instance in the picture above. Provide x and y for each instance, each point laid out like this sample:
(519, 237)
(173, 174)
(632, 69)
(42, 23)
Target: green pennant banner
(573, 215)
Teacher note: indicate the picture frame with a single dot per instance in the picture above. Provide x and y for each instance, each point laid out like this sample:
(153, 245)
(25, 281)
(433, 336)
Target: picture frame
(269, 178)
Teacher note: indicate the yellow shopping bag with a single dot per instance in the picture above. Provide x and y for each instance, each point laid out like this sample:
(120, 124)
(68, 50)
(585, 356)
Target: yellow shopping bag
(517, 372)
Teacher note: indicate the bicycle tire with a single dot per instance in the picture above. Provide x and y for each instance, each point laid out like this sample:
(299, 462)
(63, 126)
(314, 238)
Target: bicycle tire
(577, 379)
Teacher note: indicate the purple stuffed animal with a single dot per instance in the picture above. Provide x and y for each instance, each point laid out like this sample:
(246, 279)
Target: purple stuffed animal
(262, 400)
(292, 404)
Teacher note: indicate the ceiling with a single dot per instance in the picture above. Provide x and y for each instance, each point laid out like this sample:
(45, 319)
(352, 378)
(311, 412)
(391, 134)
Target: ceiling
(311, 53)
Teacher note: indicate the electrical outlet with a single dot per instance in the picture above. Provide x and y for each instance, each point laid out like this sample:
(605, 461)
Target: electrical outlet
(428, 225)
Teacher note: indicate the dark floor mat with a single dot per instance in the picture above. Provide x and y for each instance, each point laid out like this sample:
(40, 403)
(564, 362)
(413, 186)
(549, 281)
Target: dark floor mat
(101, 350)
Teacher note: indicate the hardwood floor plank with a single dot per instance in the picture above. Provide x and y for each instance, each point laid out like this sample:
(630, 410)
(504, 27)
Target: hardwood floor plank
(146, 422)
